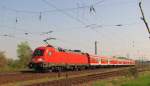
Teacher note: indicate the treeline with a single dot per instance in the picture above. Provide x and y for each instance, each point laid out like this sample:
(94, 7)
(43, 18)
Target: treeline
(24, 53)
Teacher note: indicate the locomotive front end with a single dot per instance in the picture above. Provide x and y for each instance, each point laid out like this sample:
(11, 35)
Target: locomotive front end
(37, 61)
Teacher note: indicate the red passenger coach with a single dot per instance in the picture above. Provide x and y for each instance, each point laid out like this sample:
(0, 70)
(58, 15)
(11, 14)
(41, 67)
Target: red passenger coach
(49, 57)
(94, 60)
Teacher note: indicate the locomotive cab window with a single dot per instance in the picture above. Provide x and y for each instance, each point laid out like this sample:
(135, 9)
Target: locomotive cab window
(38, 52)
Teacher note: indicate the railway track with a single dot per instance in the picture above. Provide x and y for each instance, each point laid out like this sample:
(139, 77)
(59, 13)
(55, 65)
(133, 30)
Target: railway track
(83, 79)
(6, 78)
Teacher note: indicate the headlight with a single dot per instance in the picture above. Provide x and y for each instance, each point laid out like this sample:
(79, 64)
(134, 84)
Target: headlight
(49, 53)
(40, 60)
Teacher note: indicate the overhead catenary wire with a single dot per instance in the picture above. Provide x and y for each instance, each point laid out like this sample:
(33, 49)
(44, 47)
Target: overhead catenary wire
(26, 32)
(99, 2)
(14, 28)
(47, 11)
(72, 43)
(80, 21)
(82, 27)
(15, 36)
(95, 28)
(51, 5)
(82, 12)
(65, 13)
(40, 16)
(111, 26)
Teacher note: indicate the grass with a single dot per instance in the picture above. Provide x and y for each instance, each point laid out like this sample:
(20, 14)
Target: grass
(10, 69)
(142, 80)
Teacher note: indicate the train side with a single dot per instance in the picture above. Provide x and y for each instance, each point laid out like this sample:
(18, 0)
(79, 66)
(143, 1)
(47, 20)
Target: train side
(107, 60)
(48, 57)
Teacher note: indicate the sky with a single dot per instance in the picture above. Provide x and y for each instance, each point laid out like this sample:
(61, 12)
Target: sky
(76, 27)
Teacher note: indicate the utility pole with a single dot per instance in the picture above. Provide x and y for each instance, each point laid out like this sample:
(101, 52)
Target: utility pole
(95, 47)
(143, 18)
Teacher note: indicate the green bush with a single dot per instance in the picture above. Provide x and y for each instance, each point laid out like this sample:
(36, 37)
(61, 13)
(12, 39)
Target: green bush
(24, 55)
(3, 59)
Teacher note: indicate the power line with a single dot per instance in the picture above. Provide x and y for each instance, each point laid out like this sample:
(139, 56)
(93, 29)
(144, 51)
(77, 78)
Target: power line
(97, 27)
(12, 28)
(65, 13)
(90, 26)
(47, 11)
(19, 38)
(94, 26)
(70, 15)
(27, 32)
(70, 43)
(99, 2)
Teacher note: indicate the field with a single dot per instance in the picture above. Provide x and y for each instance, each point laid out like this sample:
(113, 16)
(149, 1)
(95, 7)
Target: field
(142, 80)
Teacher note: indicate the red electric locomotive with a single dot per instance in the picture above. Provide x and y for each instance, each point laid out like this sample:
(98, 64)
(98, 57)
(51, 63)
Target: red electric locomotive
(49, 57)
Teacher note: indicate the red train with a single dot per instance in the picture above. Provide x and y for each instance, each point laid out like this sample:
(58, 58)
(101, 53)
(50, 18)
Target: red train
(49, 57)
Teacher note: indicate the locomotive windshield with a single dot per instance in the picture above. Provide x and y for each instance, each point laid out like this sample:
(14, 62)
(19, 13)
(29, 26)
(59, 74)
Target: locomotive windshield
(38, 52)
